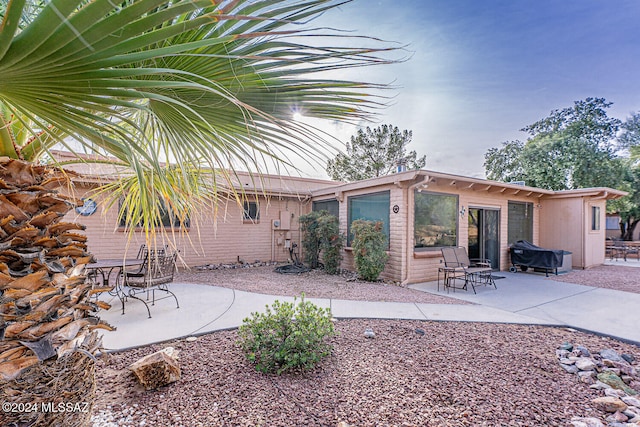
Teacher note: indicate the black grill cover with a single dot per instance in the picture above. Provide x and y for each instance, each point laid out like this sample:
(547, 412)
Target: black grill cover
(527, 254)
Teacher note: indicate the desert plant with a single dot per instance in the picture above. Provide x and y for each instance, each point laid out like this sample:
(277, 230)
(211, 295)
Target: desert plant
(287, 336)
(321, 235)
(369, 248)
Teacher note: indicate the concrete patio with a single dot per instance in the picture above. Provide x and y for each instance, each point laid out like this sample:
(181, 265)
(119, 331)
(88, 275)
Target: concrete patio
(523, 298)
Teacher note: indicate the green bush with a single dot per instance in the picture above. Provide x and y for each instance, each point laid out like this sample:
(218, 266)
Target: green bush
(287, 336)
(321, 235)
(369, 248)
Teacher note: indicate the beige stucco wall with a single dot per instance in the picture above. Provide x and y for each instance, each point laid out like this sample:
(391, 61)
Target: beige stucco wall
(411, 266)
(206, 243)
(565, 223)
(424, 264)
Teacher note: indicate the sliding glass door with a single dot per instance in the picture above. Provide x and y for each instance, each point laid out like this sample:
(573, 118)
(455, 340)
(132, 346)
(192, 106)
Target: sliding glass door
(484, 238)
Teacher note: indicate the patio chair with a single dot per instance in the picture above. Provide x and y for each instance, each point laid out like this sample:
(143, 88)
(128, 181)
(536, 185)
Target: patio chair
(477, 271)
(156, 273)
(452, 271)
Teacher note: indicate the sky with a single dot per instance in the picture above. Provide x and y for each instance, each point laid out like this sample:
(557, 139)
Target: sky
(481, 70)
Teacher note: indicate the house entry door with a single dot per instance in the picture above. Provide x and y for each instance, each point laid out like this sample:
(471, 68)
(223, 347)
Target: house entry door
(484, 238)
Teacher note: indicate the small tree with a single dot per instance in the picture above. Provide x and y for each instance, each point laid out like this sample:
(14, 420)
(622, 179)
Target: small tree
(369, 248)
(374, 152)
(321, 235)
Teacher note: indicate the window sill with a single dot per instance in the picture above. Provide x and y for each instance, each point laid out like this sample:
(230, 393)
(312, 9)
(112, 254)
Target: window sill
(427, 254)
(250, 221)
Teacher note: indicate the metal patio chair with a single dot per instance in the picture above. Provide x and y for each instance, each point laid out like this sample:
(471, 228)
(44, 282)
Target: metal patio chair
(156, 273)
(477, 271)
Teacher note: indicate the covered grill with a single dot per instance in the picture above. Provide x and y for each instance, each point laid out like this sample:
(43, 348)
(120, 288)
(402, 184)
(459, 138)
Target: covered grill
(527, 255)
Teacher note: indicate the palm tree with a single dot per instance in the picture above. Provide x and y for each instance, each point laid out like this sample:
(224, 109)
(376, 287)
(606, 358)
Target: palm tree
(206, 85)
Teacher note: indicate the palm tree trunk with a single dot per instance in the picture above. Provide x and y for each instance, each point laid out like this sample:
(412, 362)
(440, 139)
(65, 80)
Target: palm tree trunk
(48, 331)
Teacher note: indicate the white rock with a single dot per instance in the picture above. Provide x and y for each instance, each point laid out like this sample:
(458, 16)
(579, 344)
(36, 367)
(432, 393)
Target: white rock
(631, 401)
(585, 364)
(586, 422)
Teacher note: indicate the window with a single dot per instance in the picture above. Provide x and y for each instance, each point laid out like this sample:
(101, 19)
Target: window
(332, 206)
(251, 212)
(435, 222)
(595, 218)
(373, 207)
(520, 219)
(168, 218)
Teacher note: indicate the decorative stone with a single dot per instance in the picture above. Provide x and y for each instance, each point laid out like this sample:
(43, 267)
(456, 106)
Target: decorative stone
(191, 339)
(615, 381)
(368, 333)
(587, 377)
(609, 404)
(629, 358)
(572, 369)
(610, 354)
(614, 392)
(599, 385)
(157, 369)
(566, 361)
(618, 417)
(586, 422)
(566, 346)
(582, 350)
(585, 364)
(420, 331)
(631, 401)
(562, 354)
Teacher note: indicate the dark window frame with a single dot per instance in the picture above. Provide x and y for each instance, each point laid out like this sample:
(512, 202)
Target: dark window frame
(169, 220)
(350, 219)
(528, 213)
(250, 212)
(595, 218)
(418, 194)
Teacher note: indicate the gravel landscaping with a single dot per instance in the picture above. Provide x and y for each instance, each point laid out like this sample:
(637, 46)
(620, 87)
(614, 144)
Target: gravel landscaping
(413, 373)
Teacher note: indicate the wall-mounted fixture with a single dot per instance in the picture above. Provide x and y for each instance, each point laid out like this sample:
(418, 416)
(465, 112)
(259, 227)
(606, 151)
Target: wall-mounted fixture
(462, 211)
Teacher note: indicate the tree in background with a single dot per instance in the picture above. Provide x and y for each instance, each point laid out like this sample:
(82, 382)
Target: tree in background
(575, 147)
(374, 152)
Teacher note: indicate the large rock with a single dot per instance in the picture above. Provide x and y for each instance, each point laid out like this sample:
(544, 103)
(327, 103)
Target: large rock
(609, 404)
(631, 401)
(585, 364)
(615, 381)
(157, 369)
(586, 422)
(610, 354)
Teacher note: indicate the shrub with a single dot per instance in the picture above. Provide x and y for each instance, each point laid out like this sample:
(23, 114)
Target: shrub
(321, 234)
(369, 248)
(286, 336)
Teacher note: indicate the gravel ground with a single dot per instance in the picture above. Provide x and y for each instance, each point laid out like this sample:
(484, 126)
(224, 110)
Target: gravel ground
(455, 374)
(605, 276)
(314, 284)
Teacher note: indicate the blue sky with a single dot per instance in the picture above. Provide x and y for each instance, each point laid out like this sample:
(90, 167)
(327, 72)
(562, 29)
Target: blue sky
(482, 70)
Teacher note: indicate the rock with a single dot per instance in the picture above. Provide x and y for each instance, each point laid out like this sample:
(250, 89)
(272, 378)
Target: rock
(582, 350)
(368, 333)
(420, 331)
(585, 364)
(562, 354)
(599, 385)
(566, 361)
(587, 377)
(586, 422)
(191, 339)
(609, 404)
(572, 369)
(566, 346)
(615, 381)
(629, 358)
(631, 401)
(157, 369)
(610, 354)
(614, 392)
(618, 417)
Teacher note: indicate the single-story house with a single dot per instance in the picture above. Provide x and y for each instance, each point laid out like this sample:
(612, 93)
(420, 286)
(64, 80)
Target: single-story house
(421, 211)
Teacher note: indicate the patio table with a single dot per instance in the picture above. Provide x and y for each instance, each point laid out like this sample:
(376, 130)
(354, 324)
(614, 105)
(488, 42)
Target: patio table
(106, 269)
